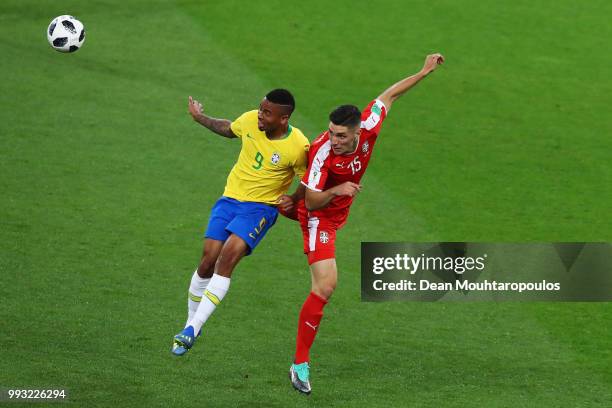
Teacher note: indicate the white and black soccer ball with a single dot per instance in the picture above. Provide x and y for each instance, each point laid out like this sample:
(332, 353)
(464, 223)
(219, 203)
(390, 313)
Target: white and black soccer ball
(66, 34)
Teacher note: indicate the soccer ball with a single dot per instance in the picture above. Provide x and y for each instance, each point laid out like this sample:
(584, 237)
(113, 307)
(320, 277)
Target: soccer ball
(66, 34)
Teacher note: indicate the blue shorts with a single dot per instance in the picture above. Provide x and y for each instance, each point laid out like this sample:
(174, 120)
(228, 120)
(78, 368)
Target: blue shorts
(250, 221)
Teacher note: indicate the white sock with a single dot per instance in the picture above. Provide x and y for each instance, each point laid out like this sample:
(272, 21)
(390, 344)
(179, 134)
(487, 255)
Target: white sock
(213, 295)
(196, 289)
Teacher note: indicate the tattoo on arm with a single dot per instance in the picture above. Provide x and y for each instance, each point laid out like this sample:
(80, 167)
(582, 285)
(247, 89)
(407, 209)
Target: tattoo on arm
(219, 126)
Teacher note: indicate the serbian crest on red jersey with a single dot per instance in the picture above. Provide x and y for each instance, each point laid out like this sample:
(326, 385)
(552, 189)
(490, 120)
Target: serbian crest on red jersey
(365, 147)
(324, 237)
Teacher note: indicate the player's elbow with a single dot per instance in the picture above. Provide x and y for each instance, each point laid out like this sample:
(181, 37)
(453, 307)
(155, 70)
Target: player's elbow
(309, 204)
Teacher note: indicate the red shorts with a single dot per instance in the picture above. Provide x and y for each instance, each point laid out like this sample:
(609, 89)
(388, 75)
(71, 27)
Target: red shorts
(319, 238)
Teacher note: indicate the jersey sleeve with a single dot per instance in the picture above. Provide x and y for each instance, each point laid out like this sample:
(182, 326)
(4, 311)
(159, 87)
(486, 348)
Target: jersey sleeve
(240, 125)
(373, 116)
(318, 167)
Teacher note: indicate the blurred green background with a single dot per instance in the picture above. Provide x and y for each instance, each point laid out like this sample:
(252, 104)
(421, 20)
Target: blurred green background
(107, 185)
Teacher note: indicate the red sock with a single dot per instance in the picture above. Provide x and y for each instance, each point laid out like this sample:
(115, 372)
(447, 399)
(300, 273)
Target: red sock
(308, 325)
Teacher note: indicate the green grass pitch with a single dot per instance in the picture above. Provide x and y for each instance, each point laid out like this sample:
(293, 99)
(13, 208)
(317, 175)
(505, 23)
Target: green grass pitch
(106, 187)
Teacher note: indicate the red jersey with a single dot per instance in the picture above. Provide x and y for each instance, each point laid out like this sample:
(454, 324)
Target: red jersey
(326, 169)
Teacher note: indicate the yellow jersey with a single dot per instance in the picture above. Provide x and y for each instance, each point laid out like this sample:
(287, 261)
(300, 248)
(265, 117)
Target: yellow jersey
(265, 168)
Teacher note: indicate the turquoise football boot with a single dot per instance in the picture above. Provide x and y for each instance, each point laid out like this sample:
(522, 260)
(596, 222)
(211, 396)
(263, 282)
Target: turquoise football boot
(299, 375)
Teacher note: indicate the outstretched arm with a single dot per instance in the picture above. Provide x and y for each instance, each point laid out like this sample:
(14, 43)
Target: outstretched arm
(398, 89)
(219, 126)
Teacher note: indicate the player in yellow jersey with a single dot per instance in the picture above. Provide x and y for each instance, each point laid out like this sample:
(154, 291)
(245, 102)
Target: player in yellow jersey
(273, 153)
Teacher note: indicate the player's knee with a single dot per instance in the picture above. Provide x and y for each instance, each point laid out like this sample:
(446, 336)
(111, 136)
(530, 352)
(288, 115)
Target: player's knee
(325, 289)
(227, 261)
(224, 266)
(206, 267)
(229, 257)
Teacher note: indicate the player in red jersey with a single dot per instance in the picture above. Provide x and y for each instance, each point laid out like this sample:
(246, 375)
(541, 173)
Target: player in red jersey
(338, 158)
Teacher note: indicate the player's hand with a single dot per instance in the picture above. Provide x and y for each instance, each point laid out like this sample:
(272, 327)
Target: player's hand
(285, 203)
(431, 63)
(348, 188)
(195, 108)
(286, 206)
